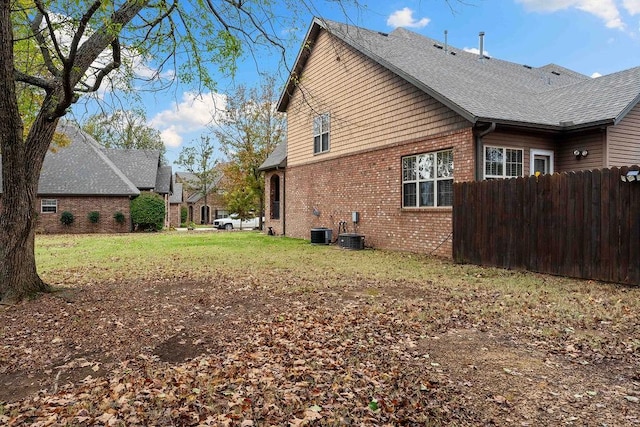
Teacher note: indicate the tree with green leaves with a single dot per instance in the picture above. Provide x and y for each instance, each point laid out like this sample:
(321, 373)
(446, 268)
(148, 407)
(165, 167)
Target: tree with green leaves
(248, 132)
(124, 129)
(64, 50)
(242, 202)
(200, 161)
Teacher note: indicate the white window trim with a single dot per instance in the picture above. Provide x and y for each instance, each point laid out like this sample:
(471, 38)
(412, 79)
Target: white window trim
(536, 151)
(435, 180)
(484, 162)
(328, 132)
(42, 205)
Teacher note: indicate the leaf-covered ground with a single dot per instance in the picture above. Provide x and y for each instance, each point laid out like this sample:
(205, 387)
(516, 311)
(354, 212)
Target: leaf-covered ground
(283, 348)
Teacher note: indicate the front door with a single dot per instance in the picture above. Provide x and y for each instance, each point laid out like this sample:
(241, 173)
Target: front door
(541, 162)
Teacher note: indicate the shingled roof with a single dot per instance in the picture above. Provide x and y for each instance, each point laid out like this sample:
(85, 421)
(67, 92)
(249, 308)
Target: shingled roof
(81, 168)
(277, 158)
(85, 168)
(140, 166)
(487, 89)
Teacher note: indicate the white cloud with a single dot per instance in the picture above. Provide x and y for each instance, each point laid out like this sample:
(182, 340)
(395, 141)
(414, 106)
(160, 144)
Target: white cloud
(140, 68)
(604, 9)
(404, 18)
(193, 114)
(171, 137)
(476, 51)
(596, 75)
(632, 6)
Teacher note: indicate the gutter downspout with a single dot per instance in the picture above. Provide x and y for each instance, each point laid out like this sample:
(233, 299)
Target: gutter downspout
(479, 146)
(284, 204)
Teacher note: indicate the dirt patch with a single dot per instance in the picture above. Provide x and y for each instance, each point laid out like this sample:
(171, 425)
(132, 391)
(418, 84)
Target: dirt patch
(180, 348)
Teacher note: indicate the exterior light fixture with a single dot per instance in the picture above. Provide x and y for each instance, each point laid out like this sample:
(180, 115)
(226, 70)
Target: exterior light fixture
(580, 153)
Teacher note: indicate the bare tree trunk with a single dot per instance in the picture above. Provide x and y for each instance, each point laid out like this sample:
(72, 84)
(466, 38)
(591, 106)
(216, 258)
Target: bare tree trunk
(18, 276)
(21, 165)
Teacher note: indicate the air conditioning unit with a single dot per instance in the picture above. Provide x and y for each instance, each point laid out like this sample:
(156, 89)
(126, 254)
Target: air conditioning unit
(351, 241)
(321, 236)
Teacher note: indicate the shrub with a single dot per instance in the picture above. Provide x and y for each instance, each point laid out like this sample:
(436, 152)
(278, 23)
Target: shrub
(66, 218)
(119, 217)
(183, 214)
(147, 212)
(94, 217)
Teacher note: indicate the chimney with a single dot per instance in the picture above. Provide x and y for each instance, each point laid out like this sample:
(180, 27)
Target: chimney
(446, 45)
(481, 45)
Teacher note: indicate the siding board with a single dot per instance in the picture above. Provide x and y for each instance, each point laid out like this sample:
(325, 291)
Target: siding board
(370, 107)
(623, 140)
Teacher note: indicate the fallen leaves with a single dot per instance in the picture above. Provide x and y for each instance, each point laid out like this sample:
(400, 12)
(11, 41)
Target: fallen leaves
(240, 351)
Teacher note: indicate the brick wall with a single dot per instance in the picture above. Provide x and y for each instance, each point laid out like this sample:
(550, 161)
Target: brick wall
(174, 214)
(370, 182)
(80, 208)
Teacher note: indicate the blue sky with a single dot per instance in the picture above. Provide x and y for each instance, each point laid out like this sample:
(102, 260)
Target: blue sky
(593, 37)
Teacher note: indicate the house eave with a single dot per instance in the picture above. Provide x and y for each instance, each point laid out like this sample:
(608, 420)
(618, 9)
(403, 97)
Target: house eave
(299, 64)
(41, 195)
(626, 110)
(560, 127)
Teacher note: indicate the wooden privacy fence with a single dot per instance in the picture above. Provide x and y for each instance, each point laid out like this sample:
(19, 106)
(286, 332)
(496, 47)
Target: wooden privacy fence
(578, 224)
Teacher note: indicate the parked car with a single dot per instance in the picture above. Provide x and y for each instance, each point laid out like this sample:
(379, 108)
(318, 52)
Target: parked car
(232, 221)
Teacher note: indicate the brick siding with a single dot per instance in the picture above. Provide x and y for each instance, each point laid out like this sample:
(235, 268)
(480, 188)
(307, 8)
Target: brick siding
(49, 223)
(370, 182)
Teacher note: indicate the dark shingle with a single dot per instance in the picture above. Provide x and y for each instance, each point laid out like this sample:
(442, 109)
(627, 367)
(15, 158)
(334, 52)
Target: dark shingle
(140, 166)
(277, 158)
(163, 180)
(489, 89)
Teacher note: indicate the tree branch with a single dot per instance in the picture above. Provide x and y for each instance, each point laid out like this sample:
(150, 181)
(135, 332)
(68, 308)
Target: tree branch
(33, 80)
(117, 61)
(42, 44)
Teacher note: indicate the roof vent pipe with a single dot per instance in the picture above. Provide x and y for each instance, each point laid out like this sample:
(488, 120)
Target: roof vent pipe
(481, 45)
(446, 45)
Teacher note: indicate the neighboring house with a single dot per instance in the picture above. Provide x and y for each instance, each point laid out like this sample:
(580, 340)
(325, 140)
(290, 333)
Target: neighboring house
(383, 124)
(194, 200)
(84, 177)
(176, 201)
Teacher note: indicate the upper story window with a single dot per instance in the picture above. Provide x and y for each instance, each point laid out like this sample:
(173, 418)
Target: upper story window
(427, 179)
(321, 133)
(501, 162)
(48, 206)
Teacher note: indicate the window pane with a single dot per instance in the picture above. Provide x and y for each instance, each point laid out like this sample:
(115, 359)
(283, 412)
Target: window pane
(409, 195)
(426, 193)
(540, 164)
(445, 164)
(425, 166)
(317, 123)
(493, 161)
(409, 169)
(445, 192)
(514, 162)
(325, 123)
(316, 144)
(325, 142)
